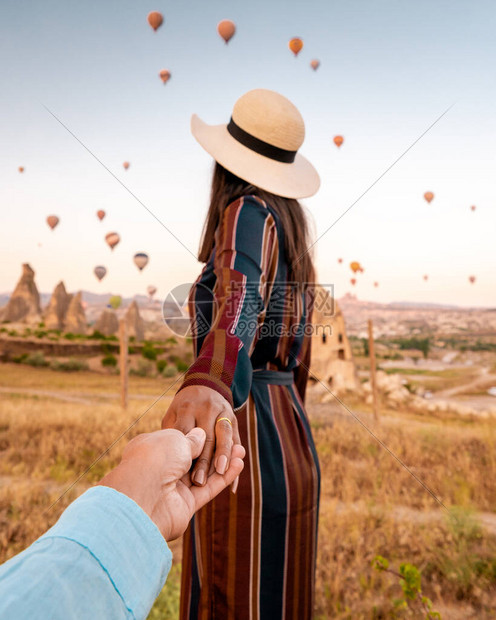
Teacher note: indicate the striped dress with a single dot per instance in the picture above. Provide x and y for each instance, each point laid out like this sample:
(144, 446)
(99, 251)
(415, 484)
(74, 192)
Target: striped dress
(251, 555)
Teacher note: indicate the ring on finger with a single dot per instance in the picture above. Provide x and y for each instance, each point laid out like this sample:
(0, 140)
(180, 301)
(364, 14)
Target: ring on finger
(227, 420)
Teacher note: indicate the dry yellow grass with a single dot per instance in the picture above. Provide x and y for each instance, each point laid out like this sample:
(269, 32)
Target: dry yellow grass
(370, 504)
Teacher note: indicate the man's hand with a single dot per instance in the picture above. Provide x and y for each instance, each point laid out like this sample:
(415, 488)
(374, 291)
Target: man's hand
(154, 472)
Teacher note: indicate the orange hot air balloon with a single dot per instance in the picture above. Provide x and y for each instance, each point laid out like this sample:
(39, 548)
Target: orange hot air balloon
(338, 140)
(472, 279)
(428, 196)
(296, 45)
(340, 260)
(473, 207)
(376, 284)
(165, 75)
(126, 165)
(226, 29)
(112, 239)
(21, 169)
(315, 64)
(426, 277)
(354, 266)
(52, 221)
(353, 281)
(155, 19)
(100, 214)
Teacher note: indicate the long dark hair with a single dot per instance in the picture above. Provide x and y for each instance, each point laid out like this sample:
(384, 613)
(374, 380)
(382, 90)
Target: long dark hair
(227, 187)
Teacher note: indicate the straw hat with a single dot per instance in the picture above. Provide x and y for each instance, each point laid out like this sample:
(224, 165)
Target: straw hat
(260, 144)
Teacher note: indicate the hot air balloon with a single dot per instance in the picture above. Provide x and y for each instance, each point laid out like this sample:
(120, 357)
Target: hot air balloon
(353, 281)
(338, 140)
(376, 284)
(141, 260)
(340, 260)
(155, 19)
(151, 290)
(21, 169)
(115, 301)
(226, 28)
(100, 214)
(52, 221)
(112, 239)
(165, 75)
(126, 165)
(354, 266)
(315, 64)
(472, 279)
(426, 277)
(100, 272)
(473, 207)
(296, 45)
(428, 196)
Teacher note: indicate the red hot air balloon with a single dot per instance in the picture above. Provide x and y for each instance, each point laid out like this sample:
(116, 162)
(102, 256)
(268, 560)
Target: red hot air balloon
(151, 290)
(296, 45)
(473, 207)
(226, 29)
(100, 214)
(155, 19)
(353, 281)
(52, 221)
(165, 75)
(126, 165)
(21, 169)
(338, 140)
(340, 260)
(315, 64)
(428, 196)
(472, 279)
(376, 284)
(426, 277)
(112, 239)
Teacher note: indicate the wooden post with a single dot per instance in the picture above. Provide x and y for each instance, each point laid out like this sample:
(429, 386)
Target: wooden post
(123, 341)
(373, 379)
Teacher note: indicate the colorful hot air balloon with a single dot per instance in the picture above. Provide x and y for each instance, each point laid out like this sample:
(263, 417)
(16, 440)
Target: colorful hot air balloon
(115, 301)
(353, 281)
(126, 165)
(472, 279)
(340, 260)
(100, 214)
(338, 140)
(226, 29)
(428, 196)
(151, 290)
(141, 260)
(52, 221)
(426, 277)
(165, 75)
(473, 207)
(100, 272)
(21, 169)
(112, 239)
(354, 266)
(155, 19)
(315, 64)
(296, 45)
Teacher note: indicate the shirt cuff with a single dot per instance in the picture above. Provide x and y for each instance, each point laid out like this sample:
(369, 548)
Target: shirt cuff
(124, 540)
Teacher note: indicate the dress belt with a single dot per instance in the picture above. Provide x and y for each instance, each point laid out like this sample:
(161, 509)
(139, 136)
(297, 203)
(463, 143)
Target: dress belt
(273, 377)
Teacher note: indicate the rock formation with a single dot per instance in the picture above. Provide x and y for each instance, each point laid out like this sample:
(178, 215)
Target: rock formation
(24, 304)
(135, 324)
(55, 312)
(75, 320)
(107, 323)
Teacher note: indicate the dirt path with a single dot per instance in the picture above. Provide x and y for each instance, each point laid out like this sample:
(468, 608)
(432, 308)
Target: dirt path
(83, 398)
(481, 381)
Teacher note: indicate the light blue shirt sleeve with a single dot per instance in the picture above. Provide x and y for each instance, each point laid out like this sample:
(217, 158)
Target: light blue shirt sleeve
(104, 558)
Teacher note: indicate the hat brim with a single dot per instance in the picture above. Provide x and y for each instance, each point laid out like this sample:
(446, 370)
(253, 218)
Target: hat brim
(296, 180)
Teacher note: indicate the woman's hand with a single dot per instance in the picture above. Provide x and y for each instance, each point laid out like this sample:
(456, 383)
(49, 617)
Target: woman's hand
(200, 406)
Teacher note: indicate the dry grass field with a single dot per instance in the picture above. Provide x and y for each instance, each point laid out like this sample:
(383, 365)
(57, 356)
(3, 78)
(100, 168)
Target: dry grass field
(370, 504)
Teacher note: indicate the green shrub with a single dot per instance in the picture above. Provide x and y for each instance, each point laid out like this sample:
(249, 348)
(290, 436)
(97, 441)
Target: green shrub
(12, 332)
(144, 369)
(36, 359)
(41, 325)
(70, 336)
(182, 366)
(40, 333)
(96, 335)
(71, 365)
(19, 359)
(169, 371)
(161, 365)
(171, 340)
(149, 352)
(109, 361)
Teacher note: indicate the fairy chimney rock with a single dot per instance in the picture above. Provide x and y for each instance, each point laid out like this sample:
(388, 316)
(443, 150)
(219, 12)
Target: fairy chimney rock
(135, 324)
(107, 323)
(75, 320)
(56, 310)
(24, 304)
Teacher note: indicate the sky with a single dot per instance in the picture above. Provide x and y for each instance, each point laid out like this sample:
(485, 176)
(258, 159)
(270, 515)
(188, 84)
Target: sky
(389, 69)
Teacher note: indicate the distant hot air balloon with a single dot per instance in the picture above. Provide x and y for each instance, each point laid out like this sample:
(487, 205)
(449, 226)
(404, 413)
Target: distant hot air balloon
(115, 301)
(126, 165)
(226, 28)
(165, 75)
(100, 272)
(315, 64)
(472, 279)
(151, 290)
(362, 269)
(112, 239)
(340, 260)
(426, 277)
(338, 140)
(353, 281)
(354, 266)
(296, 45)
(21, 169)
(100, 214)
(428, 196)
(473, 207)
(376, 284)
(141, 260)
(155, 19)
(52, 221)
